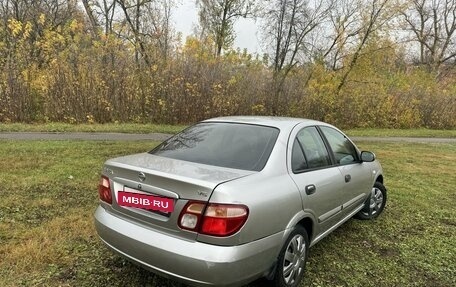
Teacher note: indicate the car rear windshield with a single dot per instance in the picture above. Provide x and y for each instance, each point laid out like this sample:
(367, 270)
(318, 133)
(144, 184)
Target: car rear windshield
(232, 145)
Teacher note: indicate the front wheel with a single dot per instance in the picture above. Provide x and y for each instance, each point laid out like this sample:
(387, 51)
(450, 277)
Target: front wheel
(374, 204)
(292, 259)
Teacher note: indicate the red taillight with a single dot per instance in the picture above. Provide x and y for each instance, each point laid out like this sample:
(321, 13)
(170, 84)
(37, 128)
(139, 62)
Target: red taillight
(218, 219)
(104, 190)
(223, 219)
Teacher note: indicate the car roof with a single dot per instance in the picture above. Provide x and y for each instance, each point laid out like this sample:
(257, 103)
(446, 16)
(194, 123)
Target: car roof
(278, 122)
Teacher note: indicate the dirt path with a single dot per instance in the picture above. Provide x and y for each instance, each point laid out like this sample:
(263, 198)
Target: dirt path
(161, 137)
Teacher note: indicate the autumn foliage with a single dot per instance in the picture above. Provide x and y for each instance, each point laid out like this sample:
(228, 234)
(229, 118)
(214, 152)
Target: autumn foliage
(63, 73)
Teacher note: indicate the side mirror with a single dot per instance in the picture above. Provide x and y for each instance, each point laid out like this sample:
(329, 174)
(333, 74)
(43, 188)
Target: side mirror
(367, 156)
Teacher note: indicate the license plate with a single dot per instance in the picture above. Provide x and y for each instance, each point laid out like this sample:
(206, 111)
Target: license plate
(145, 201)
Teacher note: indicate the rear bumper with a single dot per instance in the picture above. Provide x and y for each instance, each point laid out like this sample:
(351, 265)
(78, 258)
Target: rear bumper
(194, 263)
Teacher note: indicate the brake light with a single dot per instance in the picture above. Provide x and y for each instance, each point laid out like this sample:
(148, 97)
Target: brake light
(104, 190)
(214, 219)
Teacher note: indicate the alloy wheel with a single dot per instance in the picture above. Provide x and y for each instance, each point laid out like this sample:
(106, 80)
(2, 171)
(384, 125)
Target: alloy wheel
(375, 203)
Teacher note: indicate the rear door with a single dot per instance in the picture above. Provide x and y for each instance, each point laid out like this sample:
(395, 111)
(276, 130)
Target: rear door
(318, 181)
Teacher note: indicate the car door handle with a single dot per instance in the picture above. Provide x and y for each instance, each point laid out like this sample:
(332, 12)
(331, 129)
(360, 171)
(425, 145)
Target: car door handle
(348, 178)
(310, 189)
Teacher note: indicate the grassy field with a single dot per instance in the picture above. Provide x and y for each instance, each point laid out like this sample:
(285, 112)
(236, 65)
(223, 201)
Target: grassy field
(171, 129)
(118, 128)
(49, 193)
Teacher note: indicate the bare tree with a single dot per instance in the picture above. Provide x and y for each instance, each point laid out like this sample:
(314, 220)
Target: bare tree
(375, 16)
(149, 27)
(101, 13)
(342, 32)
(57, 12)
(14, 9)
(217, 17)
(158, 27)
(132, 11)
(108, 9)
(288, 26)
(91, 15)
(432, 24)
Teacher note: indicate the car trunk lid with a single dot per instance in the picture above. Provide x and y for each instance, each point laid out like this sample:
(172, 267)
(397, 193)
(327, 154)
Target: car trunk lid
(147, 174)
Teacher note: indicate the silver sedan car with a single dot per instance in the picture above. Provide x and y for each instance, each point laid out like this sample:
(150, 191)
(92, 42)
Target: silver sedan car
(233, 199)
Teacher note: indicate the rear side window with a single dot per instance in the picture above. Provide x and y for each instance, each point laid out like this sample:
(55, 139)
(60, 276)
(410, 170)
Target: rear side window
(232, 145)
(298, 160)
(309, 146)
(344, 151)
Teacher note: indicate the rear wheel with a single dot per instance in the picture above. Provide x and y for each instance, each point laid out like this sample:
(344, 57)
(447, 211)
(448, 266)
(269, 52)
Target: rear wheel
(292, 259)
(374, 204)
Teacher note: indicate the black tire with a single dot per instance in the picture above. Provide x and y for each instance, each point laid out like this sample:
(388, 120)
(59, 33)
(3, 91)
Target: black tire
(292, 259)
(374, 204)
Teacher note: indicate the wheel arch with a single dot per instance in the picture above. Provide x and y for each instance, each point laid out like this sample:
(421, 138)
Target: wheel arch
(304, 219)
(308, 224)
(379, 178)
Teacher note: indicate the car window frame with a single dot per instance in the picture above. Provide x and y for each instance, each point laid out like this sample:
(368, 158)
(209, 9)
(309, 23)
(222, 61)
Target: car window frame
(297, 171)
(325, 144)
(332, 154)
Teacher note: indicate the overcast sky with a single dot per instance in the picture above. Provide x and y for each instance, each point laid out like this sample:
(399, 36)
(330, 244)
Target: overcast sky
(185, 18)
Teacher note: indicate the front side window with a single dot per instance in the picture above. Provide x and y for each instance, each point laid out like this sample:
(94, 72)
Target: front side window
(309, 143)
(239, 146)
(344, 151)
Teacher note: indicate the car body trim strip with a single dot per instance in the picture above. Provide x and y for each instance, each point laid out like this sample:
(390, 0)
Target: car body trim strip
(354, 200)
(329, 214)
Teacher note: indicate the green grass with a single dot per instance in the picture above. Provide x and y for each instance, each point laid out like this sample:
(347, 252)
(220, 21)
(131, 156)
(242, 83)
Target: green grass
(171, 129)
(412, 242)
(424, 133)
(48, 196)
(119, 128)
